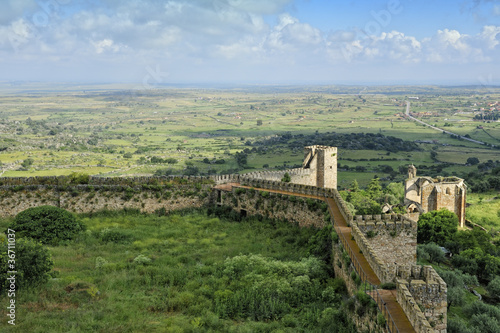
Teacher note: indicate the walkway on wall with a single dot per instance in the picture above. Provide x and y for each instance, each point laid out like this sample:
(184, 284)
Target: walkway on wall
(386, 299)
(394, 314)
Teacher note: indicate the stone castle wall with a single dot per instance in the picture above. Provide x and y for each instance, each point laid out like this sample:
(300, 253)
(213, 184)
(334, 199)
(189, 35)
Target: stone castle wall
(393, 238)
(387, 241)
(18, 194)
(247, 201)
(318, 169)
(423, 295)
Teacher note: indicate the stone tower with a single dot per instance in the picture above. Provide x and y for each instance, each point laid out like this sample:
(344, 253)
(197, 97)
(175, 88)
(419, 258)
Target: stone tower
(322, 160)
(424, 194)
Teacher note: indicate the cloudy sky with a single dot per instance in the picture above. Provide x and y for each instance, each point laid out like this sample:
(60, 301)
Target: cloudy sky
(152, 42)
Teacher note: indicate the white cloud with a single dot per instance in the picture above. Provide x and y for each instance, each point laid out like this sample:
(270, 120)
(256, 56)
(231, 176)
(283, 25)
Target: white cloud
(225, 34)
(105, 45)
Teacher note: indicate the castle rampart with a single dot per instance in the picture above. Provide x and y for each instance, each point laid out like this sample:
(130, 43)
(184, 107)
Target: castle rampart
(392, 237)
(319, 169)
(388, 242)
(422, 294)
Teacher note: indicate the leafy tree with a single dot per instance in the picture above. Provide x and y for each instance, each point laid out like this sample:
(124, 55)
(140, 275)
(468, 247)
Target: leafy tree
(477, 262)
(286, 178)
(79, 178)
(33, 263)
(494, 287)
(437, 226)
(241, 159)
(191, 170)
(259, 122)
(164, 172)
(473, 161)
(363, 203)
(456, 296)
(374, 189)
(397, 190)
(431, 252)
(47, 224)
(463, 240)
(27, 163)
(354, 186)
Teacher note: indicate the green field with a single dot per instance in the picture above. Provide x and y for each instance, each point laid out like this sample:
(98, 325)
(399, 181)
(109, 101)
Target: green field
(115, 132)
(184, 273)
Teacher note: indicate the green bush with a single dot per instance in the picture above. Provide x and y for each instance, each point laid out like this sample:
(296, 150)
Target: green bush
(437, 226)
(47, 224)
(494, 288)
(381, 320)
(113, 235)
(79, 178)
(286, 178)
(388, 286)
(430, 252)
(32, 263)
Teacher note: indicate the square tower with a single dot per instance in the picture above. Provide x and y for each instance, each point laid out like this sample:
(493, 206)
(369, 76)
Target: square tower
(322, 160)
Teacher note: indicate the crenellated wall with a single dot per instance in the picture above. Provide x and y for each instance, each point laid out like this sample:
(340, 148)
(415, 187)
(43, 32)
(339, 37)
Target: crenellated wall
(146, 194)
(392, 237)
(319, 169)
(422, 294)
(388, 242)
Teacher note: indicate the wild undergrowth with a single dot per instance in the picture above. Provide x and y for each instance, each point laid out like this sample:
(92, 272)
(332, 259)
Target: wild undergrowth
(184, 272)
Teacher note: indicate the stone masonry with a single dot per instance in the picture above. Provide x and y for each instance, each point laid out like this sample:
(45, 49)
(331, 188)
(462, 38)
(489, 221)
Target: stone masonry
(424, 194)
(318, 169)
(388, 242)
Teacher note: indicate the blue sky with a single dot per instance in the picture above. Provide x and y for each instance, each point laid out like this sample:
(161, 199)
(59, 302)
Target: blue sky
(151, 42)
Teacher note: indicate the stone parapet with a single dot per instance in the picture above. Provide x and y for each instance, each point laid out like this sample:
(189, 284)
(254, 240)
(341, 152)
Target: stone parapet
(392, 237)
(411, 308)
(425, 295)
(381, 269)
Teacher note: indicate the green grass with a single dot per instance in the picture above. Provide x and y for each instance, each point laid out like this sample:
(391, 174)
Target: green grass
(207, 123)
(484, 209)
(99, 287)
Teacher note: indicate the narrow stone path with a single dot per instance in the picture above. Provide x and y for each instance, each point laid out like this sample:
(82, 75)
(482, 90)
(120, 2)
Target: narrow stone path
(344, 231)
(394, 314)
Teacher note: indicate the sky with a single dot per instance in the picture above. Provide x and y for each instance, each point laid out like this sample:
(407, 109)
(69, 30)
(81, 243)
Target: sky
(157, 42)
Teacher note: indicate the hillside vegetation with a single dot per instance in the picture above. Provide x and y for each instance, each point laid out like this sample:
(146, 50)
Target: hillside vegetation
(185, 272)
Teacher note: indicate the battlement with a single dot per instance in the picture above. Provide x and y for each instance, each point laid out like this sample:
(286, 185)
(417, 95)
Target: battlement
(390, 240)
(387, 241)
(422, 295)
(390, 221)
(93, 180)
(327, 149)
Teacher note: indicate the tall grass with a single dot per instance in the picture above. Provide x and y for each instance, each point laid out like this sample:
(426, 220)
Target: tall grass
(185, 272)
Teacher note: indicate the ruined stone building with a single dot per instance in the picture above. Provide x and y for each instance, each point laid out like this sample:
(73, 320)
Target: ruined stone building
(318, 169)
(424, 194)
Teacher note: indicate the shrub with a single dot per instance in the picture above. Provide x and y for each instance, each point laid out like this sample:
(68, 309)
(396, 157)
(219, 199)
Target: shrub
(286, 178)
(114, 235)
(141, 259)
(431, 252)
(47, 224)
(33, 264)
(494, 288)
(380, 319)
(388, 286)
(79, 178)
